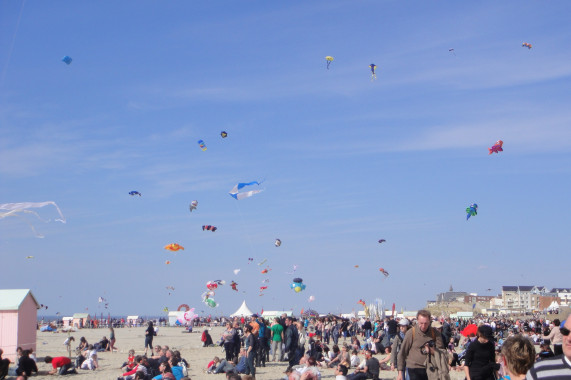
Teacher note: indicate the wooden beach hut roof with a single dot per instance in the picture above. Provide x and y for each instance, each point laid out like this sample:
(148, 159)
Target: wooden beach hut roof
(11, 299)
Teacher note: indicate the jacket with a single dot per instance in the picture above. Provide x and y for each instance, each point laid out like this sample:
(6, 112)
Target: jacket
(291, 338)
(437, 365)
(410, 354)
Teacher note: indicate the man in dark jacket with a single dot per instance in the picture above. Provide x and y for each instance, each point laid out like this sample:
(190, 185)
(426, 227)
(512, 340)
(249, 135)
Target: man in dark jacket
(291, 341)
(446, 331)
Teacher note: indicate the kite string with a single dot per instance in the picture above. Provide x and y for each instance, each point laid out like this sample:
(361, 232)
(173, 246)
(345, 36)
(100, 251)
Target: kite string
(5, 68)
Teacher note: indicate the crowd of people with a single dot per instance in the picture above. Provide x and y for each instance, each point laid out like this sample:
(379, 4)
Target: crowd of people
(419, 349)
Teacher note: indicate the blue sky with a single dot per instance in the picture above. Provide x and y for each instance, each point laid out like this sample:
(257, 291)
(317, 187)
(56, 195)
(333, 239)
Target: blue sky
(345, 161)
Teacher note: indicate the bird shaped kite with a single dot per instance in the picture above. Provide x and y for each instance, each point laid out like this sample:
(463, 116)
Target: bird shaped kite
(174, 247)
(472, 210)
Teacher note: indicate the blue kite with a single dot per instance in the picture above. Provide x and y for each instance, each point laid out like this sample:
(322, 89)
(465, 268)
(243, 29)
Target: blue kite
(237, 194)
(67, 59)
(471, 211)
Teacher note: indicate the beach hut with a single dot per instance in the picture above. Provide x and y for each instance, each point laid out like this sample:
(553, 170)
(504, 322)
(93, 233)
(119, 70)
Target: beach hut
(132, 320)
(18, 321)
(81, 320)
(67, 321)
(243, 311)
(174, 316)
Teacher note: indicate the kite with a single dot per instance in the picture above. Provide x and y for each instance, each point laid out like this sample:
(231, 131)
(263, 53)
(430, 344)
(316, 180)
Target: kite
(250, 259)
(170, 287)
(311, 299)
(525, 44)
(452, 51)
(234, 285)
(384, 272)
(174, 247)
(212, 285)
(29, 257)
(262, 262)
(362, 303)
(278, 242)
(17, 209)
(265, 281)
(167, 262)
(209, 228)
(101, 299)
(210, 302)
(133, 193)
(297, 285)
(265, 271)
(183, 306)
(202, 145)
(382, 241)
(165, 309)
(471, 211)
(207, 294)
(294, 269)
(236, 271)
(193, 205)
(329, 59)
(263, 288)
(237, 194)
(67, 59)
(497, 147)
(373, 67)
(356, 266)
(223, 134)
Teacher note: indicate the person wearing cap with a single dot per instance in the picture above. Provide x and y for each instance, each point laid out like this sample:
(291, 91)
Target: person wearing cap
(480, 359)
(559, 367)
(395, 348)
(410, 356)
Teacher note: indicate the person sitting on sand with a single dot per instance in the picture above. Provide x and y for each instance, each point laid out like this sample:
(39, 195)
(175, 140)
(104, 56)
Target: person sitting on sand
(166, 372)
(82, 344)
(90, 361)
(223, 366)
(26, 365)
(140, 360)
(130, 363)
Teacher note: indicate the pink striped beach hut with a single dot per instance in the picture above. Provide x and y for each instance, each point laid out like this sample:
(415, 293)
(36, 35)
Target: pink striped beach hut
(18, 321)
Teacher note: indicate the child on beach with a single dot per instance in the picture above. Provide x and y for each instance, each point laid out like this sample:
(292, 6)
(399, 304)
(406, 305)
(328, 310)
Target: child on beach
(130, 363)
(67, 345)
(90, 361)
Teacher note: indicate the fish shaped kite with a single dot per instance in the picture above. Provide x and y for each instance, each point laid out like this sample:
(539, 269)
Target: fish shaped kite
(525, 44)
(497, 147)
(193, 205)
(329, 59)
(209, 228)
(19, 209)
(472, 210)
(384, 272)
(67, 59)
(202, 145)
(238, 194)
(174, 247)
(278, 242)
(234, 285)
(373, 68)
(223, 134)
(133, 193)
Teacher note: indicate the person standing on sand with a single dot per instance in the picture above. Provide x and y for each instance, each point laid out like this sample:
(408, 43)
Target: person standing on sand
(149, 334)
(112, 339)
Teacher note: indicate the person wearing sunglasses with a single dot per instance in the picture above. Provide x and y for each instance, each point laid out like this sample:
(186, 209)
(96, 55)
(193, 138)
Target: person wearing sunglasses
(559, 367)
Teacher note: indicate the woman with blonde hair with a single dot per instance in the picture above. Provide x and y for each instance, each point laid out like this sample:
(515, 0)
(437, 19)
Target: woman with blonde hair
(518, 356)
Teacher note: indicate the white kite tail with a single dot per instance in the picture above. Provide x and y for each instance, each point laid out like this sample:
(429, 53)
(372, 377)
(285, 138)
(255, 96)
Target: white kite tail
(247, 194)
(14, 208)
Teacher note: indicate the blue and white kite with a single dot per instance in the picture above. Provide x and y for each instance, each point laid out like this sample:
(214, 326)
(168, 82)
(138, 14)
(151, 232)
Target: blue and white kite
(238, 194)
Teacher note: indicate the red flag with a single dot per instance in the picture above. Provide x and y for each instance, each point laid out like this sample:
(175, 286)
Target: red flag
(301, 311)
(393, 314)
(262, 313)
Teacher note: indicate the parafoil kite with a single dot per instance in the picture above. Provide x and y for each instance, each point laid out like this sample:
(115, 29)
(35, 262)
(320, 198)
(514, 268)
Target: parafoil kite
(223, 134)
(311, 299)
(234, 285)
(238, 194)
(384, 272)
(373, 67)
(472, 210)
(382, 241)
(193, 205)
(18, 209)
(525, 44)
(329, 59)
(297, 285)
(497, 147)
(209, 228)
(202, 145)
(278, 242)
(174, 247)
(67, 59)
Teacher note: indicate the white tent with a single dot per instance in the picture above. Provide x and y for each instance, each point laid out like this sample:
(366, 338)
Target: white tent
(554, 306)
(243, 311)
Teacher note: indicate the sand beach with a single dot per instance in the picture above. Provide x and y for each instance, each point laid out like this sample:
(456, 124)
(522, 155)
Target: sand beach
(189, 344)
